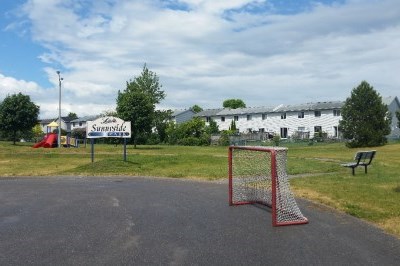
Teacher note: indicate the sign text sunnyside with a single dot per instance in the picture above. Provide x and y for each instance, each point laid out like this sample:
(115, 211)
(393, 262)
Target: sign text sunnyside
(108, 127)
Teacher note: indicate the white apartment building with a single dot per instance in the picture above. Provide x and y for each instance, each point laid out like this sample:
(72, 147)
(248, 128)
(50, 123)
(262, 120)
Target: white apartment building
(82, 122)
(304, 120)
(65, 123)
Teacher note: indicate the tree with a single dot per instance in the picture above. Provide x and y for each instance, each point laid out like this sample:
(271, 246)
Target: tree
(137, 107)
(234, 104)
(18, 115)
(72, 116)
(190, 133)
(161, 120)
(37, 132)
(365, 118)
(398, 118)
(233, 126)
(213, 127)
(79, 133)
(197, 109)
(137, 103)
(147, 83)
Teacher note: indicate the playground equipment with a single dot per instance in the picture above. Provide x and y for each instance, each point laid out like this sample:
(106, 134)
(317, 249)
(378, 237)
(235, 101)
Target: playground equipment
(50, 140)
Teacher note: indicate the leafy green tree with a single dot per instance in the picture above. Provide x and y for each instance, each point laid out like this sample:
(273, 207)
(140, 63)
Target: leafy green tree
(147, 83)
(234, 103)
(172, 133)
(137, 107)
(137, 103)
(18, 115)
(213, 127)
(197, 109)
(398, 118)
(194, 127)
(224, 138)
(72, 116)
(365, 118)
(37, 132)
(79, 133)
(161, 120)
(190, 133)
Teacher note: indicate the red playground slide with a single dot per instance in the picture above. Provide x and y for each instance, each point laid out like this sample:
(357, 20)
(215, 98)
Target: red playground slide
(47, 141)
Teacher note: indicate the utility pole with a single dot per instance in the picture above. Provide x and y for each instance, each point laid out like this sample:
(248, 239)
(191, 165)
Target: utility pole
(59, 108)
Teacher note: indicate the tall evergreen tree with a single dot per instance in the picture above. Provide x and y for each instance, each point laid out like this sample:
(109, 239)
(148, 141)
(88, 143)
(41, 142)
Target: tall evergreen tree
(365, 118)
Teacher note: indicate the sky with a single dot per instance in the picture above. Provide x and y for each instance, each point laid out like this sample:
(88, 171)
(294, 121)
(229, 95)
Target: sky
(265, 52)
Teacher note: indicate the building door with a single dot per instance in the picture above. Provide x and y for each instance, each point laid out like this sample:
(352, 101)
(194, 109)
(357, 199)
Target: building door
(284, 132)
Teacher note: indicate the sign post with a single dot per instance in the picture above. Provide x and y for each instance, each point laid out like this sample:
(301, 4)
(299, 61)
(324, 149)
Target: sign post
(124, 149)
(92, 149)
(108, 127)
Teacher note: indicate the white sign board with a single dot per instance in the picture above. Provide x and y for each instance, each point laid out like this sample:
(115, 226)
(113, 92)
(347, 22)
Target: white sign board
(108, 127)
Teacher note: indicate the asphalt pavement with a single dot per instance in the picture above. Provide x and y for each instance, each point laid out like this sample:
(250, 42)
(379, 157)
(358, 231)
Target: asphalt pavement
(159, 221)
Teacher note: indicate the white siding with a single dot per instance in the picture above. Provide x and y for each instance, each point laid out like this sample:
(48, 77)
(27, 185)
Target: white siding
(328, 120)
(81, 124)
(273, 122)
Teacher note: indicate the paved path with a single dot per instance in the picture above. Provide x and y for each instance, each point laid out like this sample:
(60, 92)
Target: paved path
(151, 221)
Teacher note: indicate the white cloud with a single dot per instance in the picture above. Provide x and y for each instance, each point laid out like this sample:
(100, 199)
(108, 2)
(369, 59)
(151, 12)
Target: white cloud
(10, 85)
(214, 50)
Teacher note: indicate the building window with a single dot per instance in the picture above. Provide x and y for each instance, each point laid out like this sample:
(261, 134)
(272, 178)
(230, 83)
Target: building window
(317, 113)
(222, 118)
(283, 116)
(248, 117)
(336, 112)
(261, 130)
(236, 118)
(264, 116)
(208, 119)
(73, 124)
(318, 129)
(301, 129)
(80, 124)
(284, 132)
(300, 115)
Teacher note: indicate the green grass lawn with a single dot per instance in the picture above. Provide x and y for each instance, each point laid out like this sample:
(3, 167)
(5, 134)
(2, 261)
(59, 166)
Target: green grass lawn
(374, 197)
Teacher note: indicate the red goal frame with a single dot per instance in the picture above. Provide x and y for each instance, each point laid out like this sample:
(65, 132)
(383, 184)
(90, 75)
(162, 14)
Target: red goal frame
(275, 193)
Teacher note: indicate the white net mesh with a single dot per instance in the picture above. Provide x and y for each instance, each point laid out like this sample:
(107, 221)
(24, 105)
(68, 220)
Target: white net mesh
(252, 181)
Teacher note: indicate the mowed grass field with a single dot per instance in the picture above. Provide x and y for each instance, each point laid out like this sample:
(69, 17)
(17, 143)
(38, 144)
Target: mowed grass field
(374, 197)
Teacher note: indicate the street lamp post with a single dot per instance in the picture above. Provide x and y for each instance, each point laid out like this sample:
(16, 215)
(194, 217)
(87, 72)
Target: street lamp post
(59, 108)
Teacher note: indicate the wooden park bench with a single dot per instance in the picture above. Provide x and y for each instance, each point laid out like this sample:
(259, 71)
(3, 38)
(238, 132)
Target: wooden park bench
(362, 158)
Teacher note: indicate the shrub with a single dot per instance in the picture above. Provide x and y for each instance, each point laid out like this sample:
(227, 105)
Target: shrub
(224, 138)
(276, 140)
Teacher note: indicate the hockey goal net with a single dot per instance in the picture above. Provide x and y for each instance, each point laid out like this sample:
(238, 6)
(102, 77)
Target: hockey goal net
(258, 175)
